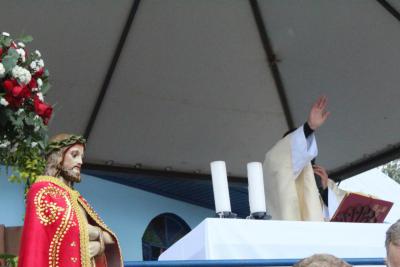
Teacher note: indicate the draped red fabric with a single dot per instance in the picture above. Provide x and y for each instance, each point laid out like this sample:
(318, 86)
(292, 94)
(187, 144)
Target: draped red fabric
(52, 235)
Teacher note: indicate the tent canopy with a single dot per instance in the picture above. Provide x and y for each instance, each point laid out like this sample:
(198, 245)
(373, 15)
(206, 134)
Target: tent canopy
(171, 85)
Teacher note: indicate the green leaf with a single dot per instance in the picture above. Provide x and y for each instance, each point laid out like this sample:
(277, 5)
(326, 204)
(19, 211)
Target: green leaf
(19, 122)
(9, 63)
(11, 260)
(26, 38)
(3, 119)
(29, 121)
(7, 41)
(13, 53)
(45, 88)
(7, 256)
(10, 60)
(41, 145)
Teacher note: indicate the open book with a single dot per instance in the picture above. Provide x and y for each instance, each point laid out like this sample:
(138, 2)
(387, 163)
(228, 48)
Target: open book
(357, 207)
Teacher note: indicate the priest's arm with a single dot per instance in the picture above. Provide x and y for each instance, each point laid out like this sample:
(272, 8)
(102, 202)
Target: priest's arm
(290, 186)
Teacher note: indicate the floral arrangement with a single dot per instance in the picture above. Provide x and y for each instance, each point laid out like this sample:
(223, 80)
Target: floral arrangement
(23, 113)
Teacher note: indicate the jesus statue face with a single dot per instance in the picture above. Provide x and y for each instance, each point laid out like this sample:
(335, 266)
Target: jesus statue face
(71, 166)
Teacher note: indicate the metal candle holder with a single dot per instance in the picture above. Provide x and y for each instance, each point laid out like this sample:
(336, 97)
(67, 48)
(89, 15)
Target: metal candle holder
(226, 214)
(259, 216)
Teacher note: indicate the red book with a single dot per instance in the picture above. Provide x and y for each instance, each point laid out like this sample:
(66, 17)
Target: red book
(362, 208)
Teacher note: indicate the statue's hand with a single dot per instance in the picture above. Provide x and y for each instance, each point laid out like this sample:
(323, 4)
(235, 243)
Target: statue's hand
(107, 238)
(94, 233)
(94, 248)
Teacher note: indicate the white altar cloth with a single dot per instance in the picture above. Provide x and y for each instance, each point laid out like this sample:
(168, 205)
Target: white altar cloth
(217, 239)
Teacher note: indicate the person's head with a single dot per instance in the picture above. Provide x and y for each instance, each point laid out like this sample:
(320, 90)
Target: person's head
(322, 260)
(392, 244)
(64, 156)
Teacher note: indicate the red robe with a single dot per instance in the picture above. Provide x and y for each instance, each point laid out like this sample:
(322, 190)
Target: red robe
(55, 232)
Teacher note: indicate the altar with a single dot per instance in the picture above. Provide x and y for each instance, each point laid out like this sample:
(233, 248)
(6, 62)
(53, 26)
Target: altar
(218, 239)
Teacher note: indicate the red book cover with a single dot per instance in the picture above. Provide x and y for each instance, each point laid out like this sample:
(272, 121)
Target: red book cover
(362, 208)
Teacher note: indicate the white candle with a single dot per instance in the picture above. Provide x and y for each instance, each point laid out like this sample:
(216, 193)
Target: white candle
(220, 186)
(256, 187)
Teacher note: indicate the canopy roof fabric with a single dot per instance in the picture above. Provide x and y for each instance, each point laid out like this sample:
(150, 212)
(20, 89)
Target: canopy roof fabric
(176, 84)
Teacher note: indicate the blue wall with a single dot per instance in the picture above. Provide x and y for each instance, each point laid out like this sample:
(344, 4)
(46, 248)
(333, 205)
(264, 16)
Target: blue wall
(126, 210)
(12, 206)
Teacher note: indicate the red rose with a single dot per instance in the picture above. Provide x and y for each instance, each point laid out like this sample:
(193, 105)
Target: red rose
(14, 102)
(26, 92)
(39, 73)
(8, 85)
(32, 84)
(17, 91)
(42, 109)
(1, 52)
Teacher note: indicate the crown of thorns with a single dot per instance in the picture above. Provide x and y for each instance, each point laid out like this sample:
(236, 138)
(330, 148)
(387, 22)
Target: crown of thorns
(72, 140)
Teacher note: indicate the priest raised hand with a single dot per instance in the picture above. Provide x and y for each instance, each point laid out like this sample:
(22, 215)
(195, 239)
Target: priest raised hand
(290, 185)
(318, 113)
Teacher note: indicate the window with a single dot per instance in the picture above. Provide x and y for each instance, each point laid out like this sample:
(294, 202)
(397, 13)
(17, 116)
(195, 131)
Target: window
(163, 231)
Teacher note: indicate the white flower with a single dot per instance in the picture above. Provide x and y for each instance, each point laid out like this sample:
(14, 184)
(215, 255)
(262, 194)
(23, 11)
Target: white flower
(40, 63)
(35, 89)
(5, 34)
(21, 44)
(2, 70)
(37, 117)
(20, 111)
(38, 53)
(33, 65)
(40, 95)
(21, 74)
(39, 83)
(33, 144)
(22, 54)
(4, 102)
(37, 64)
(5, 144)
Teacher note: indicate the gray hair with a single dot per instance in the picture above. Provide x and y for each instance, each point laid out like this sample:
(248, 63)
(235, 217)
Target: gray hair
(393, 235)
(322, 260)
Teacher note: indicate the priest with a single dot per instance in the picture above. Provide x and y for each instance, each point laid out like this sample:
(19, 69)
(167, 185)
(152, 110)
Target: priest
(294, 189)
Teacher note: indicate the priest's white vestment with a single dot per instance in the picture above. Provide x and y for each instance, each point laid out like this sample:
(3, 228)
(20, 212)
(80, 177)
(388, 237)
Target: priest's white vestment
(290, 187)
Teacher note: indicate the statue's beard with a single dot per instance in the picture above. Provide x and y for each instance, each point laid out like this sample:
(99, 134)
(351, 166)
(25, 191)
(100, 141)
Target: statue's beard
(70, 175)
